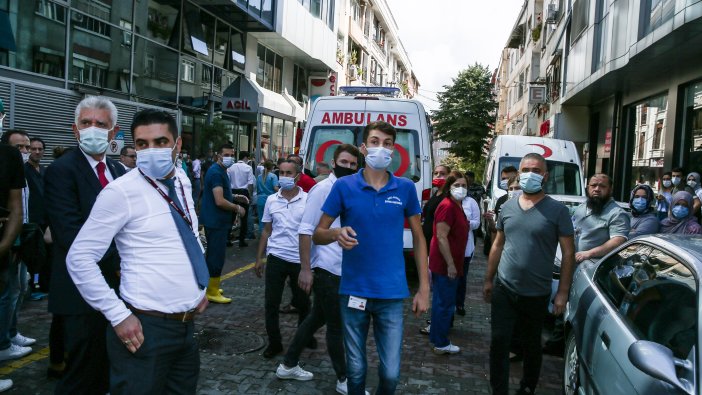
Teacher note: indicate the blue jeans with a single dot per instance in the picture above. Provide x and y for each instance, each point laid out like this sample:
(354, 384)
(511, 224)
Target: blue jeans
(14, 279)
(250, 231)
(387, 329)
(443, 303)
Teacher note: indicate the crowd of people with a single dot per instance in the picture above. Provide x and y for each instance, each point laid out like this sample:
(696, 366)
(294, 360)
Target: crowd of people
(118, 246)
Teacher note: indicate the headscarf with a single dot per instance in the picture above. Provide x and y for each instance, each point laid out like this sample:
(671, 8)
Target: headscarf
(674, 225)
(697, 178)
(649, 200)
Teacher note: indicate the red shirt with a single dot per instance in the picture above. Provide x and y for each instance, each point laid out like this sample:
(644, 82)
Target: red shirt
(452, 214)
(306, 182)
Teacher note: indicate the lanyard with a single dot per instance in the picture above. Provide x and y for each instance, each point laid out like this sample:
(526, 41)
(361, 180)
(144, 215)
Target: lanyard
(186, 218)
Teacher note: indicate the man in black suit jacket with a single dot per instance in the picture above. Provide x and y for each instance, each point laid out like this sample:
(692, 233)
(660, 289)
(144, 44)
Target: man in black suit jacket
(72, 184)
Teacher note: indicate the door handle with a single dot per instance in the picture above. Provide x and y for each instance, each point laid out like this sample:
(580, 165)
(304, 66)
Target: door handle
(605, 339)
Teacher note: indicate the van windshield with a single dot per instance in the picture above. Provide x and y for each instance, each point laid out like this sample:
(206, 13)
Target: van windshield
(406, 161)
(563, 178)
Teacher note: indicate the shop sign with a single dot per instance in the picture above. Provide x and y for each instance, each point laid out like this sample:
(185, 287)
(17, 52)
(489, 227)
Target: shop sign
(238, 104)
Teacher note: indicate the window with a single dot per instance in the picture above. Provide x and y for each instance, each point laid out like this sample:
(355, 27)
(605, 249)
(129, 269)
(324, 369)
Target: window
(51, 10)
(600, 39)
(187, 71)
(269, 73)
(653, 14)
(149, 65)
(161, 22)
(89, 73)
(356, 11)
(315, 7)
(156, 77)
(127, 33)
(692, 125)
(644, 114)
(647, 124)
(91, 24)
(198, 33)
(300, 84)
(581, 11)
(642, 144)
(658, 135)
(655, 294)
(520, 86)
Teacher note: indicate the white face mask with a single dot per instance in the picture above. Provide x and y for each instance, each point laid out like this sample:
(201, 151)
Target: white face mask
(156, 162)
(459, 193)
(378, 158)
(514, 194)
(93, 140)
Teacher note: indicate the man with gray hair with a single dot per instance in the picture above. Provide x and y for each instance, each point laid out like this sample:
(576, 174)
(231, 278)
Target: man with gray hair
(72, 184)
(518, 277)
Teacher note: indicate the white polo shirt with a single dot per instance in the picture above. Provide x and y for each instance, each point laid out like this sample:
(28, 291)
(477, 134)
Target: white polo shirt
(285, 217)
(327, 257)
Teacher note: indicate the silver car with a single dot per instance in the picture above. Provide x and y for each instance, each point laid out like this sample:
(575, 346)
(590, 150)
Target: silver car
(632, 320)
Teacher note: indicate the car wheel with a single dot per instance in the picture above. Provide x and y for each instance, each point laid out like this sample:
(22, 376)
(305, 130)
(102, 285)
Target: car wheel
(571, 374)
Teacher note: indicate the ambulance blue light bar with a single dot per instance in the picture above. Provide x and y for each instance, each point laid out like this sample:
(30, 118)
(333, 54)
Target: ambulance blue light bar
(369, 90)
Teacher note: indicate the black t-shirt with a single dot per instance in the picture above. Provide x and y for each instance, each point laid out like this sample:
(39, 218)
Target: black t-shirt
(11, 174)
(428, 214)
(498, 205)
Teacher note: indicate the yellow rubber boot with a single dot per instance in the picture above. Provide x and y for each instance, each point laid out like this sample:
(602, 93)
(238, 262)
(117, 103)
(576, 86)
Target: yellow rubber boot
(213, 292)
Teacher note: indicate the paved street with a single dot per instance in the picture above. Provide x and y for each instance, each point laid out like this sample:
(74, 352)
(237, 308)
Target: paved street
(232, 338)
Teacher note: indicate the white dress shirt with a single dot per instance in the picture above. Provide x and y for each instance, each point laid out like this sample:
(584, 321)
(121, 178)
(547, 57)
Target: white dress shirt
(285, 217)
(472, 211)
(241, 175)
(93, 164)
(327, 257)
(197, 165)
(156, 273)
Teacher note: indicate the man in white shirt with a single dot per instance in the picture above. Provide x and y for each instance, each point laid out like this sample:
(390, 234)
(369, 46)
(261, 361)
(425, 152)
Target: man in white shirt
(281, 220)
(150, 214)
(325, 262)
(197, 178)
(242, 178)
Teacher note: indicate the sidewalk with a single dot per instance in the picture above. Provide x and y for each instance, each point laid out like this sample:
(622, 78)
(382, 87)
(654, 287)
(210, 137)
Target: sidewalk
(232, 338)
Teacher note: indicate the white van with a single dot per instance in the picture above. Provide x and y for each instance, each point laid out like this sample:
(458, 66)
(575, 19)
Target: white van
(335, 120)
(565, 180)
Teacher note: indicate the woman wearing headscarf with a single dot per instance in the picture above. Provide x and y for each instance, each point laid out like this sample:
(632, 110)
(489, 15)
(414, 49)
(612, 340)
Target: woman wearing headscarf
(693, 181)
(644, 221)
(681, 220)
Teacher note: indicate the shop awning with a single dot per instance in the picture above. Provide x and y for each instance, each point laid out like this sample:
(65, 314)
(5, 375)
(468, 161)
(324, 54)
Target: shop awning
(298, 110)
(246, 98)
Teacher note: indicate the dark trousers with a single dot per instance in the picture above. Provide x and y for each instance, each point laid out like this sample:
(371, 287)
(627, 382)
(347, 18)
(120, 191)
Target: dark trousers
(56, 340)
(87, 368)
(277, 271)
(507, 309)
(168, 362)
(243, 221)
(443, 305)
(216, 250)
(325, 310)
(462, 281)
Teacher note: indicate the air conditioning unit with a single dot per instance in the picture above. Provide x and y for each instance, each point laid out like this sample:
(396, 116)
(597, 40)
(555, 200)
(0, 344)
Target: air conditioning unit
(551, 13)
(353, 72)
(77, 17)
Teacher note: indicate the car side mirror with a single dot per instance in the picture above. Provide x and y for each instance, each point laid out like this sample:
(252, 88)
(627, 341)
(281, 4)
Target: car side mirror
(658, 362)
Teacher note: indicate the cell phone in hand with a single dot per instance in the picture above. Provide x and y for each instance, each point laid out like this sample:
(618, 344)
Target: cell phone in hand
(4, 213)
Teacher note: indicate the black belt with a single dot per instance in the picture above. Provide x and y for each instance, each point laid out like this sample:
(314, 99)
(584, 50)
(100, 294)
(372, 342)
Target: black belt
(182, 317)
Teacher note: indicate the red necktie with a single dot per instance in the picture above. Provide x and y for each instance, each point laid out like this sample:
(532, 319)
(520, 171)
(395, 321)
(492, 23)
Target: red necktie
(101, 174)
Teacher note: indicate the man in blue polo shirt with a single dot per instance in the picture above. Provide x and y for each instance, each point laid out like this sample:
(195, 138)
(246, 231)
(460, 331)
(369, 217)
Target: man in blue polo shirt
(373, 206)
(216, 216)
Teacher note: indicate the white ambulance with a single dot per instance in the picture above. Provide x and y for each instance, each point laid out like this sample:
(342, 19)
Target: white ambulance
(335, 120)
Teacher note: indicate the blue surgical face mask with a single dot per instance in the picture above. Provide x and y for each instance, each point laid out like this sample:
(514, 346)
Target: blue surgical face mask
(680, 212)
(156, 162)
(676, 181)
(227, 161)
(530, 182)
(639, 204)
(667, 183)
(286, 183)
(378, 158)
(503, 184)
(514, 194)
(93, 140)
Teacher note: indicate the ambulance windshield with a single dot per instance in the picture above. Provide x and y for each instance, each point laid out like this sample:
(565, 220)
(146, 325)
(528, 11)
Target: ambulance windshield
(406, 161)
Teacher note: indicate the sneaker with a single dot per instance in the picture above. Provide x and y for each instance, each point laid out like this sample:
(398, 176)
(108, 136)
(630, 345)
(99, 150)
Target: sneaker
(5, 385)
(342, 388)
(22, 340)
(14, 352)
(450, 349)
(425, 330)
(296, 373)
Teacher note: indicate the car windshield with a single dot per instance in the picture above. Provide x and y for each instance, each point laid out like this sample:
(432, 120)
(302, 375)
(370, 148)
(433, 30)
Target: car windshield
(324, 139)
(563, 178)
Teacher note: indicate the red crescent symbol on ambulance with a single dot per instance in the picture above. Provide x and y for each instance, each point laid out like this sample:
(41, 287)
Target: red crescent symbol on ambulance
(323, 150)
(404, 161)
(547, 151)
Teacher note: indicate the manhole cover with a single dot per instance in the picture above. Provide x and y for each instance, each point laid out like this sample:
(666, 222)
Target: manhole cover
(231, 341)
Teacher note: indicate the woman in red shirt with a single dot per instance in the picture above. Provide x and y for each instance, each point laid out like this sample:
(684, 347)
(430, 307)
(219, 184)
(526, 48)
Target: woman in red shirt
(446, 259)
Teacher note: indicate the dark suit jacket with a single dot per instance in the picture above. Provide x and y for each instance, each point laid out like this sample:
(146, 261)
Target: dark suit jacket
(35, 182)
(70, 189)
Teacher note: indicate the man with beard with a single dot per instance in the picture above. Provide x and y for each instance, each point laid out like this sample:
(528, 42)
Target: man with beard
(600, 227)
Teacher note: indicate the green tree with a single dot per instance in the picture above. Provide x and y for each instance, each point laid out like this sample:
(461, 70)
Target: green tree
(466, 113)
(463, 165)
(212, 136)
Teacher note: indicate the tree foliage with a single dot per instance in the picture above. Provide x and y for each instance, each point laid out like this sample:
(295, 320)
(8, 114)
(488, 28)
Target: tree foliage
(466, 113)
(463, 165)
(212, 136)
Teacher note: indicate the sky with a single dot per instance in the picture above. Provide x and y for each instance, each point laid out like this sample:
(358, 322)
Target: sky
(443, 37)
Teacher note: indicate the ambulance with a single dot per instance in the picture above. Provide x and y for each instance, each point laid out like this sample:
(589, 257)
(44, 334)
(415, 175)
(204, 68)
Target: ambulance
(335, 120)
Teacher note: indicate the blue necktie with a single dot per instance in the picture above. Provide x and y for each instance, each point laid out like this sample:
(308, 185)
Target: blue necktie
(192, 247)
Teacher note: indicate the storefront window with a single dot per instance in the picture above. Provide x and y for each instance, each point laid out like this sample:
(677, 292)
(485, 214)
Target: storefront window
(289, 137)
(266, 125)
(649, 120)
(692, 125)
(158, 20)
(278, 139)
(155, 71)
(39, 37)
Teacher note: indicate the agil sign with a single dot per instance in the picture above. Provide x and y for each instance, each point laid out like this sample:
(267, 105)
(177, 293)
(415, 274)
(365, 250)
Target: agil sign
(237, 104)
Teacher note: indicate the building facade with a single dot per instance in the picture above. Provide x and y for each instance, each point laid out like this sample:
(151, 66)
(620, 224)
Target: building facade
(623, 79)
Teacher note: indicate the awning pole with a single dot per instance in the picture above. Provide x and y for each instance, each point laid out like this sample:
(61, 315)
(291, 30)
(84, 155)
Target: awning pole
(258, 138)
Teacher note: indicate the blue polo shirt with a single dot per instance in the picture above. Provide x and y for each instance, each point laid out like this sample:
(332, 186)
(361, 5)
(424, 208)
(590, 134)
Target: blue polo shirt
(212, 216)
(375, 268)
